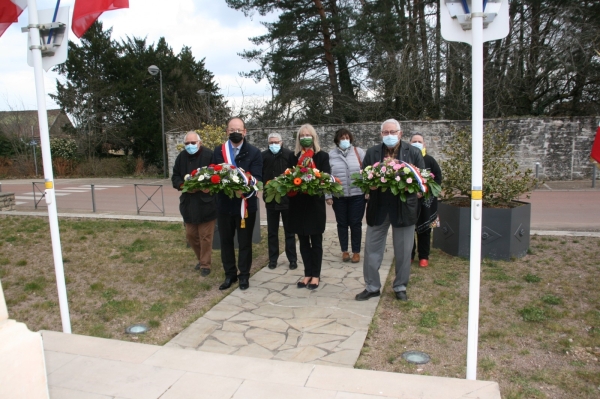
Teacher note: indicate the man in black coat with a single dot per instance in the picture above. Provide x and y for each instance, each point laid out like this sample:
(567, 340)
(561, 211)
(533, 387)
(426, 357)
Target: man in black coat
(244, 155)
(384, 209)
(199, 210)
(275, 161)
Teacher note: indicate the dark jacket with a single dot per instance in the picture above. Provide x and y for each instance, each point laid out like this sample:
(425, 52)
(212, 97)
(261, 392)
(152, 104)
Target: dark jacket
(273, 166)
(381, 204)
(198, 207)
(429, 208)
(307, 214)
(249, 159)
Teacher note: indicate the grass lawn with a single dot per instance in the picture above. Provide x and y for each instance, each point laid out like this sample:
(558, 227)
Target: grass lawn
(118, 273)
(539, 331)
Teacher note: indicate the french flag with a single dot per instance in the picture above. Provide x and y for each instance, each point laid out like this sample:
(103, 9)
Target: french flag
(86, 12)
(9, 12)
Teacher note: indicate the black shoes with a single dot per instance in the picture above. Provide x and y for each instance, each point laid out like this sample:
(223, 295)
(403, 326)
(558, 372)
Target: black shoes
(365, 295)
(293, 265)
(197, 267)
(228, 282)
(204, 272)
(302, 284)
(272, 265)
(401, 295)
(244, 283)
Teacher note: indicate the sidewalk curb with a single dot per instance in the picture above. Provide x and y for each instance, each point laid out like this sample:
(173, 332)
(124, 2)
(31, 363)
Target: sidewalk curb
(330, 225)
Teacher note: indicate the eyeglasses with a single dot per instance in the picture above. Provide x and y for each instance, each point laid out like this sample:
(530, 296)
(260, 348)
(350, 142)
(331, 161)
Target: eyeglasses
(233, 131)
(388, 132)
(190, 142)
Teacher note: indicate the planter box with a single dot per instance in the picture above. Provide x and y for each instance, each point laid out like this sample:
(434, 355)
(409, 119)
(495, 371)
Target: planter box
(504, 233)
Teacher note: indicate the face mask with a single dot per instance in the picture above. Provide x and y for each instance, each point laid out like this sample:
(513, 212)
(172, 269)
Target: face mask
(191, 148)
(390, 140)
(274, 148)
(418, 145)
(344, 144)
(306, 141)
(236, 137)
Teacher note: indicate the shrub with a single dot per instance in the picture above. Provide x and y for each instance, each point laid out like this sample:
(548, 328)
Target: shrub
(502, 179)
(212, 135)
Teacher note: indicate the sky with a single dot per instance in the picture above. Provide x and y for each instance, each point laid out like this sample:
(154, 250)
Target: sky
(212, 30)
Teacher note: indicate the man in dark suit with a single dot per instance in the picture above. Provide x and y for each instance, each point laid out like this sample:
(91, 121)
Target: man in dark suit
(247, 157)
(199, 210)
(275, 161)
(385, 209)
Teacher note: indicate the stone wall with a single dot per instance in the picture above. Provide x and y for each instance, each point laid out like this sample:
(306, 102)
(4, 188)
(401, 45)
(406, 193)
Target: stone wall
(7, 201)
(561, 145)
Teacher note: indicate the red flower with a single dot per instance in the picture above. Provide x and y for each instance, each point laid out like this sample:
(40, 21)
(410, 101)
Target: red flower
(194, 172)
(218, 168)
(292, 193)
(232, 167)
(215, 179)
(212, 165)
(303, 170)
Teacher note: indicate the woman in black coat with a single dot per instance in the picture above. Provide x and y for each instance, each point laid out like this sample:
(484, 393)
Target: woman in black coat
(307, 215)
(428, 213)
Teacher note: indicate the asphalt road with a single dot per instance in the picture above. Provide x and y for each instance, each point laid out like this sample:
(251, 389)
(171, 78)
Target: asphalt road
(555, 205)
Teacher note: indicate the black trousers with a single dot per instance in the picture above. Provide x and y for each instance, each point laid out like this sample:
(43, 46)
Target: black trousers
(422, 244)
(273, 235)
(311, 250)
(349, 212)
(228, 225)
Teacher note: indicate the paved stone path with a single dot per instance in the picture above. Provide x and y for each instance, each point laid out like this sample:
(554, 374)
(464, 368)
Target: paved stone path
(274, 319)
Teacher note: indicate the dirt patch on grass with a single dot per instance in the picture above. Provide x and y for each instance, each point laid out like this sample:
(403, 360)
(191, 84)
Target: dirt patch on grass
(118, 273)
(539, 332)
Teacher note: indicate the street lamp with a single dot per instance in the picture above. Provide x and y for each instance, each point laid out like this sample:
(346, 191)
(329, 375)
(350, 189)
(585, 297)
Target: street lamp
(153, 69)
(207, 94)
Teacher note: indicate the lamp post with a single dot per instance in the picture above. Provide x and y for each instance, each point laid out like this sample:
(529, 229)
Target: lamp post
(207, 94)
(153, 69)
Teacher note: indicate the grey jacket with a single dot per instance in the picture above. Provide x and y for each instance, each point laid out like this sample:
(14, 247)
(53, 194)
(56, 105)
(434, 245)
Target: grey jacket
(343, 166)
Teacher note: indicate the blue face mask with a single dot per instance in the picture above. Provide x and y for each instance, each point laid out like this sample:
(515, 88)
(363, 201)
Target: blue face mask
(344, 144)
(390, 140)
(275, 148)
(191, 148)
(418, 145)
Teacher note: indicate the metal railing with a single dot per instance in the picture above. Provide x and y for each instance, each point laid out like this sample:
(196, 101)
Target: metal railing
(43, 192)
(140, 188)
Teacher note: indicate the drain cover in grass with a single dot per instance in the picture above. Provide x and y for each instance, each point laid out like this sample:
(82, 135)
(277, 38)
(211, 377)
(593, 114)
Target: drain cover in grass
(416, 357)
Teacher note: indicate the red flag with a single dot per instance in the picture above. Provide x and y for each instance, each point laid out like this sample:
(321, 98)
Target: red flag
(9, 12)
(86, 12)
(595, 155)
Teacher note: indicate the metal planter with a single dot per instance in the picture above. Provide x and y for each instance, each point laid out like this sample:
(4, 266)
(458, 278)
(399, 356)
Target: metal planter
(504, 234)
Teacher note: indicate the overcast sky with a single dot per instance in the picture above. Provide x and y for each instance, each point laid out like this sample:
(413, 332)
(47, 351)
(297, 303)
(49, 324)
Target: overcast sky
(209, 27)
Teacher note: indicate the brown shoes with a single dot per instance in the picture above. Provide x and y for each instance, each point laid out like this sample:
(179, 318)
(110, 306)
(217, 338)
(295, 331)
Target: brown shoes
(355, 258)
(345, 257)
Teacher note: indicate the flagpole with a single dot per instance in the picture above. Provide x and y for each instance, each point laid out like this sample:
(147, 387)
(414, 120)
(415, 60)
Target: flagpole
(40, 90)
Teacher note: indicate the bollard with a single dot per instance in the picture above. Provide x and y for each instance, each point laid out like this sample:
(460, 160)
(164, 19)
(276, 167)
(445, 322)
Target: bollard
(93, 200)
(594, 176)
(537, 173)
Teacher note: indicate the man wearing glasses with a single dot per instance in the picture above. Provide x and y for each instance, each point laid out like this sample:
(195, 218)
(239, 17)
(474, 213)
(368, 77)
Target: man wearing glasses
(385, 209)
(237, 151)
(275, 161)
(199, 210)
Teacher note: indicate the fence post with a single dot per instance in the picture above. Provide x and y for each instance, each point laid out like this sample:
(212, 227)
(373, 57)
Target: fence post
(537, 173)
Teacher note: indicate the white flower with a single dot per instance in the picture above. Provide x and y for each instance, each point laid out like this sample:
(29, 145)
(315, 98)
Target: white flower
(187, 177)
(225, 181)
(235, 179)
(201, 177)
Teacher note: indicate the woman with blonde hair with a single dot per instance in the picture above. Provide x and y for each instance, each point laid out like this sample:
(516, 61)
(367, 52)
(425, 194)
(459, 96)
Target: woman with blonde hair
(307, 215)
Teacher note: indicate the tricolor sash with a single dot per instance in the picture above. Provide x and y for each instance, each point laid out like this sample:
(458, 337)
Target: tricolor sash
(417, 175)
(227, 152)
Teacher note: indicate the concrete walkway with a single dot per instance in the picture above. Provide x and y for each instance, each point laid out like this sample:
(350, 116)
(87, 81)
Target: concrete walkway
(81, 367)
(274, 319)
